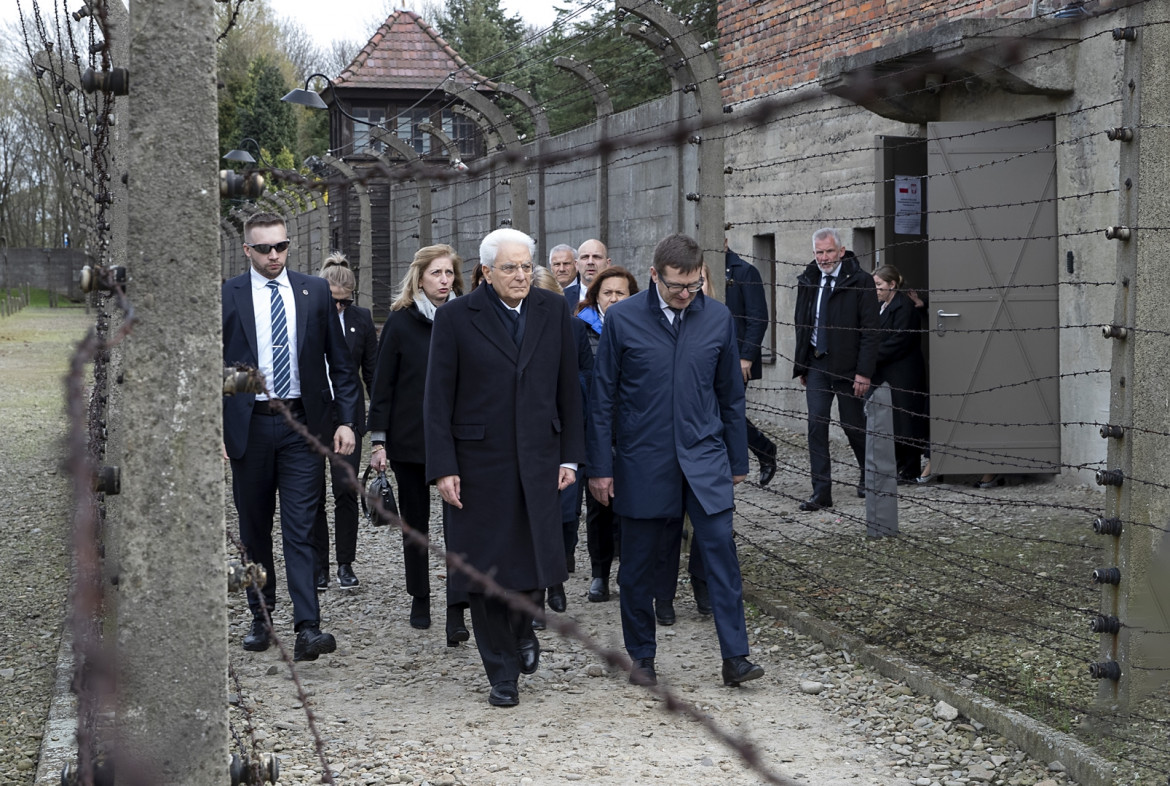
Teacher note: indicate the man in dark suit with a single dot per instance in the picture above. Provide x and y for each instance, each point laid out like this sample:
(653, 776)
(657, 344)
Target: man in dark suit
(592, 258)
(749, 309)
(836, 353)
(362, 339)
(504, 434)
(668, 392)
(284, 324)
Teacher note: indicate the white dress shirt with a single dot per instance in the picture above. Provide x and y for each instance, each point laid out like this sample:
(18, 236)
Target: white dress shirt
(262, 306)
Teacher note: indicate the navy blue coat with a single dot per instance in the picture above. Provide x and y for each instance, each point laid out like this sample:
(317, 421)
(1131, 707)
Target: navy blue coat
(319, 337)
(749, 308)
(673, 409)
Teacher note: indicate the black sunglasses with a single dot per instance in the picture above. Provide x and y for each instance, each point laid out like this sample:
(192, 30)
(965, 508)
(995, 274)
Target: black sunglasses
(345, 301)
(265, 248)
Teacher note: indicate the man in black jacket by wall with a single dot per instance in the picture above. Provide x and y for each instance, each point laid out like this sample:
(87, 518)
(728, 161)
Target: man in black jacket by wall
(749, 309)
(836, 352)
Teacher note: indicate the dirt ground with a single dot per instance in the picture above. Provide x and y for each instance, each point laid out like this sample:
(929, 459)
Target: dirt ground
(396, 705)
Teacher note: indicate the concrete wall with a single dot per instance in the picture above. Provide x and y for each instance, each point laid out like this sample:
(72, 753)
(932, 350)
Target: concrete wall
(54, 269)
(815, 167)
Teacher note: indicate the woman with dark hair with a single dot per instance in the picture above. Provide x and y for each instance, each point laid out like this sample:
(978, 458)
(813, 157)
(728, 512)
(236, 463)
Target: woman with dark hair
(361, 338)
(900, 363)
(610, 286)
(396, 416)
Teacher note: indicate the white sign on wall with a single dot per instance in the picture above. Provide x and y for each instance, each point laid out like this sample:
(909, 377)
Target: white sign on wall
(907, 205)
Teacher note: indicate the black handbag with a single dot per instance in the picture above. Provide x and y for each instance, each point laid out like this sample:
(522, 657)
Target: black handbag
(379, 488)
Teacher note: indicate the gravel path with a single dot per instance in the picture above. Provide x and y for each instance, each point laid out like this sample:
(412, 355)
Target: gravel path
(395, 705)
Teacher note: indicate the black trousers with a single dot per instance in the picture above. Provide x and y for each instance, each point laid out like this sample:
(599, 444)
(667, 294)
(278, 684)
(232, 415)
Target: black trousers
(761, 447)
(414, 503)
(820, 390)
(278, 460)
(603, 536)
(345, 513)
(498, 633)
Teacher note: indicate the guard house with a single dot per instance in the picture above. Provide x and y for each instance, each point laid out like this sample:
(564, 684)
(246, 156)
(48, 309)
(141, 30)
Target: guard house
(404, 78)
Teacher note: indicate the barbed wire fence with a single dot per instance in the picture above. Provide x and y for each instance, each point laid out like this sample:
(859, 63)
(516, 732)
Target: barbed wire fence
(993, 589)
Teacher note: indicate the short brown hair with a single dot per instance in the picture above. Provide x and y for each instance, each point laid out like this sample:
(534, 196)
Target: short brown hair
(678, 251)
(263, 220)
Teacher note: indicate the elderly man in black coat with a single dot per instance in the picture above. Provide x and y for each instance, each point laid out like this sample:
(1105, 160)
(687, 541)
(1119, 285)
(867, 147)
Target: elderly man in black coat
(504, 434)
(835, 355)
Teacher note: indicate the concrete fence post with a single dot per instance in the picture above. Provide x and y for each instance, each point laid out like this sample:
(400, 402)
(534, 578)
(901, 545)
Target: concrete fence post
(172, 584)
(1135, 631)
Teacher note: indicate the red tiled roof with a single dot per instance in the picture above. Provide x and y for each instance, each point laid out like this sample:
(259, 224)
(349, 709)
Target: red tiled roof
(407, 53)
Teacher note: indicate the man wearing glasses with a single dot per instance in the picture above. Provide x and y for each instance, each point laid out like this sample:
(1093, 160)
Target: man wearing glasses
(503, 427)
(668, 391)
(285, 325)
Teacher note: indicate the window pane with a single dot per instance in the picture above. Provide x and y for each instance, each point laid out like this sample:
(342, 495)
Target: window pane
(362, 143)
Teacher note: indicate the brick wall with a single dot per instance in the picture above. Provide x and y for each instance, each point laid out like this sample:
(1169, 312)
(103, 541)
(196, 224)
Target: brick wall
(768, 46)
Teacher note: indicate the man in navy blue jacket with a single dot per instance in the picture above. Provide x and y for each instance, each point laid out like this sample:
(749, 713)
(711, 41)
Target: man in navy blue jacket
(668, 391)
(267, 455)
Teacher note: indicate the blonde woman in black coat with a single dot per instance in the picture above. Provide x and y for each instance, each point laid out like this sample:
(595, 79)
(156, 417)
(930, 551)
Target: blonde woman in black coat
(361, 338)
(396, 415)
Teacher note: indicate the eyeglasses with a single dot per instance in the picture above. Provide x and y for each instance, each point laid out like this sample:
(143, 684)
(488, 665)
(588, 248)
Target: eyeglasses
(265, 248)
(692, 287)
(345, 301)
(510, 270)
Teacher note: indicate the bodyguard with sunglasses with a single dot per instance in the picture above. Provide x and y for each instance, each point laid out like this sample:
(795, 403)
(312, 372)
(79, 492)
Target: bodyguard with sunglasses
(284, 324)
(668, 393)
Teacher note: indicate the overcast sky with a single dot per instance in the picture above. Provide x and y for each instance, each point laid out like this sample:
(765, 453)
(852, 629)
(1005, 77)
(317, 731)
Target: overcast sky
(327, 20)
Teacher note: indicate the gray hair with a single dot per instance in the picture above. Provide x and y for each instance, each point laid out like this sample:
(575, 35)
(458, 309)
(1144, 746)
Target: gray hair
(557, 249)
(821, 234)
(489, 247)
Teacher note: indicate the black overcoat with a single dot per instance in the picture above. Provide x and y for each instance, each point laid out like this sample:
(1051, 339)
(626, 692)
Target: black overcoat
(504, 418)
(900, 363)
(852, 321)
(396, 400)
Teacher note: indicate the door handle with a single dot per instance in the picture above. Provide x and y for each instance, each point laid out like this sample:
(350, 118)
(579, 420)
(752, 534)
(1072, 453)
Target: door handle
(940, 328)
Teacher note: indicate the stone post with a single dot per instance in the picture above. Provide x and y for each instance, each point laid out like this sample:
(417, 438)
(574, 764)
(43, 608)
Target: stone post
(172, 627)
(1135, 659)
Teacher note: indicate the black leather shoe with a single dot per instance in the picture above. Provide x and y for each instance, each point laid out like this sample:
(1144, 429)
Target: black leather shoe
(529, 651)
(420, 613)
(322, 579)
(767, 472)
(257, 639)
(556, 598)
(740, 669)
(504, 695)
(599, 590)
(456, 627)
(812, 504)
(643, 672)
(345, 577)
(312, 643)
(664, 612)
(702, 597)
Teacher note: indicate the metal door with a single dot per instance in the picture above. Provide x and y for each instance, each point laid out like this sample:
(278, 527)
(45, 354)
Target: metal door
(993, 298)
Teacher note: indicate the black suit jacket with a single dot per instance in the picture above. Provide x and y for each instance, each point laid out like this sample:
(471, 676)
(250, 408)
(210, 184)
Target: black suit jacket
(362, 339)
(318, 337)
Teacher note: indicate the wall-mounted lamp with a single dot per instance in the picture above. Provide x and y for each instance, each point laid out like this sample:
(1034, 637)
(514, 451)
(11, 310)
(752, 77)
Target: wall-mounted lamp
(306, 97)
(241, 156)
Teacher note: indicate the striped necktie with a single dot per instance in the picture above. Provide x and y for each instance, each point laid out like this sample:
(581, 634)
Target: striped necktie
(281, 367)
